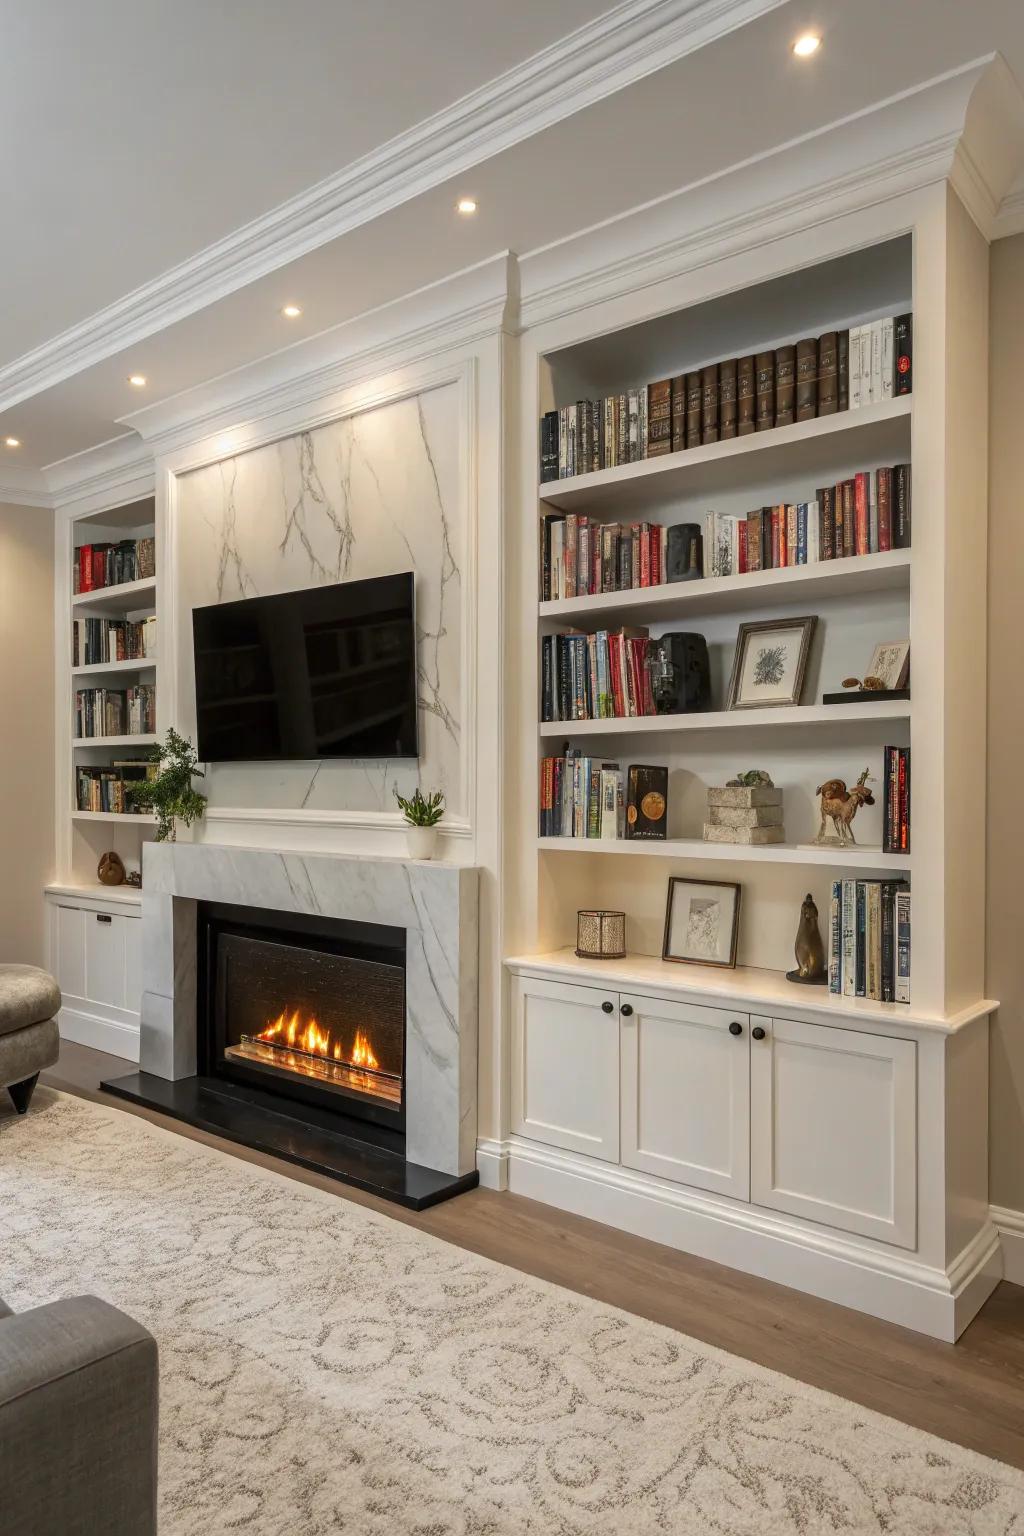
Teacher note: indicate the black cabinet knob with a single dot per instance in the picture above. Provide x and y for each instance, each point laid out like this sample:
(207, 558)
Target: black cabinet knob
(608, 1007)
(757, 1032)
(735, 1029)
(626, 1010)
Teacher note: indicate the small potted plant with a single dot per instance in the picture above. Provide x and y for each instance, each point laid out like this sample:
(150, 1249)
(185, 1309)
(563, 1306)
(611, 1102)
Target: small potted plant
(422, 814)
(171, 796)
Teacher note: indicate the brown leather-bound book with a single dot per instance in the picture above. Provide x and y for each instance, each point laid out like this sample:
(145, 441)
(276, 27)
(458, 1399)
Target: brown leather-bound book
(727, 398)
(827, 513)
(828, 374)
(843, 370)
(694, 402)
(709, 404)
(659, 418)
(847, 490)
(678, 412)
(746, 396)
(764, 386)
(807, 379)
(785, 386)
(754, 540)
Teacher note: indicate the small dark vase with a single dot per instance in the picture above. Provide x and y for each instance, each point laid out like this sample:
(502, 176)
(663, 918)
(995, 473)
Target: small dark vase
(680, 674)
(684, 552)
(811, 970)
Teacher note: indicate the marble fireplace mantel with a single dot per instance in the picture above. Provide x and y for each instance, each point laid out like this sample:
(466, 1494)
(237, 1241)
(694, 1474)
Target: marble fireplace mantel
(435, 903)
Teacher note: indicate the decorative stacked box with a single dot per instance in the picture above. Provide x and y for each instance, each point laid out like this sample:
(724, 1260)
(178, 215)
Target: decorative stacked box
(739, 813)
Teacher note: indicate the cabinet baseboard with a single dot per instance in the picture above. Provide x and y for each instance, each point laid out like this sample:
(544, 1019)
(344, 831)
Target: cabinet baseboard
(894, 1287)
(101, 1034)
(1010, 1225)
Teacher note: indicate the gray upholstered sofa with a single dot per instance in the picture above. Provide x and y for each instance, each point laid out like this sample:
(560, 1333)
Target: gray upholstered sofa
(78, 1422)
(29, 1041)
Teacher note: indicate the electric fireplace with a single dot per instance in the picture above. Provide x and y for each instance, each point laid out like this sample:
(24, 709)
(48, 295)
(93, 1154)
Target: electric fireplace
(311, 1009)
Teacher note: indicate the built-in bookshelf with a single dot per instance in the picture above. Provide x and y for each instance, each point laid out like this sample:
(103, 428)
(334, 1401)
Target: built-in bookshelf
(860, 600)
(113, 672)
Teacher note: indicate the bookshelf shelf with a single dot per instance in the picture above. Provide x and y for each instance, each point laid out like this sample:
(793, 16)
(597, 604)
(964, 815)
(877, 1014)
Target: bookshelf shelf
(114, 741)
(122, 816)
(102, 668)
(821, 716)
(124, 598)
(872, 860)
(753, 590)
(873, 434)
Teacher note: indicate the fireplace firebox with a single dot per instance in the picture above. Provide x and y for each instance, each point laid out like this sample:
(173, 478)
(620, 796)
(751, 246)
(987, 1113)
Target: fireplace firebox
(308, 1008)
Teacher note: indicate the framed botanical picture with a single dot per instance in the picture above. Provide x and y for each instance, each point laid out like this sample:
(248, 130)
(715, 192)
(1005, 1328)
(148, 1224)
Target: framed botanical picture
(770, 661)
(890, 663)
(702, 922)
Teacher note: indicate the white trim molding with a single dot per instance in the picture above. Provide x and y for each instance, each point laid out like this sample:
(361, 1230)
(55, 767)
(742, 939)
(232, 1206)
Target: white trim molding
(616, 49)
(1010, 1226)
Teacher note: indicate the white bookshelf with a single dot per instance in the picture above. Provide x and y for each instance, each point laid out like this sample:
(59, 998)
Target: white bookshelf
(864, 860)
(849, 718)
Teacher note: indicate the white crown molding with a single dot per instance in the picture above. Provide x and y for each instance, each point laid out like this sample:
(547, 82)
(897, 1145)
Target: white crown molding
(108, 475)
(933, 132)
(1010, 217)
(443, 317)
(23, 488)
(632, 40)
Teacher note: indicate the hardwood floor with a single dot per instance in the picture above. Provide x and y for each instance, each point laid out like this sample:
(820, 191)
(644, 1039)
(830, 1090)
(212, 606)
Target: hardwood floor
(971, 1392)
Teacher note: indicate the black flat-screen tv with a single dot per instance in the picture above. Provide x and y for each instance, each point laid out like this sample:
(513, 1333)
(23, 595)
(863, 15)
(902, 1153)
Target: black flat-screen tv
(324, 673)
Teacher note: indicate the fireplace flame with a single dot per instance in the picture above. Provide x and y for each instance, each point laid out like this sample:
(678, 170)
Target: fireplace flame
(289, 1029)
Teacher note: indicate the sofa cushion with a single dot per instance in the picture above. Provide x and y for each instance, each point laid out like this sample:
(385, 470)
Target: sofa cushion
(27, 996)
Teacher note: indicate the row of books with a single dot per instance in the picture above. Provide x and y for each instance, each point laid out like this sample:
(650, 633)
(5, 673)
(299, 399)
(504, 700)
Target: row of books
(579, 557)
(816, 376)
(865, 515)
(603, 676)
(896, 800)
(109, 788)
(95, 641)
(109, 565)
(115, 711)
(869, 940)
(581, 797)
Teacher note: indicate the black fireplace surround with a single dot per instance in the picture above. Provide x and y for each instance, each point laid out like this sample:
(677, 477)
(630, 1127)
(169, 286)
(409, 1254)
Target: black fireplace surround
(300, 1048)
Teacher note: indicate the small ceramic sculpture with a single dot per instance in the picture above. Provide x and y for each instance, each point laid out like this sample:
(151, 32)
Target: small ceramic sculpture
(840, 805)
(111, 870)
(809, 949)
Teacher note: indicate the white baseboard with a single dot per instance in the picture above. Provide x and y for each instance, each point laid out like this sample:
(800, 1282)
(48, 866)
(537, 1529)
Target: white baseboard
(1010, 1226)
(492, 1164)
(895, 1287)
(102, 1034)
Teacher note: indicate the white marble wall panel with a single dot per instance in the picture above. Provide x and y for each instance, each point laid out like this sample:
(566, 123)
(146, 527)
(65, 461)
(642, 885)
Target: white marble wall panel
(435, 903)
(369, 495)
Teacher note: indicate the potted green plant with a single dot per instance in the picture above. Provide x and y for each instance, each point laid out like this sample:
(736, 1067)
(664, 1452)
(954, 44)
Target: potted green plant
(171, 796)
(422, 814)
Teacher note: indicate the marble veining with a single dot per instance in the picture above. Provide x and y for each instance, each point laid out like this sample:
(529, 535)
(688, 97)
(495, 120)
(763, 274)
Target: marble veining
(436, 905)
(368, 495)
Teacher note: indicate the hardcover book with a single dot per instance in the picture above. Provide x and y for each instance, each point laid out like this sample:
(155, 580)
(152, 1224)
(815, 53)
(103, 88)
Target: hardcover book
(709, 404)
(828, 374)
(646, 802)
(843, 370)
(785, 386)
(727, 399)
(678, 412)
(807, 379)
(746, 410)
(694, 406)
(765, 390)
(903, 353)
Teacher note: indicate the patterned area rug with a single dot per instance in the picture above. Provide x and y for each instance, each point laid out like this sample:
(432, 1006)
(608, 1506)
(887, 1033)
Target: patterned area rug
(325, 1369)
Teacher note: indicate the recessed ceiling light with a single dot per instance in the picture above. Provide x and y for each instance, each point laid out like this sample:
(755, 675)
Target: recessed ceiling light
(466, 205)
(138, 380)
(806, 45)
(291, 311)
(12, 442)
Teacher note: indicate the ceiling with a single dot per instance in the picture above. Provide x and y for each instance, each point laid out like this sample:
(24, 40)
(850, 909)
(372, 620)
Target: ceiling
(139, 135)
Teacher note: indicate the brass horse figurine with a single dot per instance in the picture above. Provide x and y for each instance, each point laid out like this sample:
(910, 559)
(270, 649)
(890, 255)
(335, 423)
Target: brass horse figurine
(840, 805)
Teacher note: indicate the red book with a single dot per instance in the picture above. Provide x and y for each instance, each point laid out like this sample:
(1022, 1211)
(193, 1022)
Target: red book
(656, 576)
(99, 567)
(883, 492)
(615, 643)
(904, 801)
(862, 544)
(645, 555)
(85, 568)
(741, 547)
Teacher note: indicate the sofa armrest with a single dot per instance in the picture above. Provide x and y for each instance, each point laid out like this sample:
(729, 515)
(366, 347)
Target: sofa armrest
(78, 1422)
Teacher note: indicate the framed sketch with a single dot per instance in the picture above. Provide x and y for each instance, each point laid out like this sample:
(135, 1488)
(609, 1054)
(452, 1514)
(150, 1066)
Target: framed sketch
(770, 662)
(890, 663)
(702, 922)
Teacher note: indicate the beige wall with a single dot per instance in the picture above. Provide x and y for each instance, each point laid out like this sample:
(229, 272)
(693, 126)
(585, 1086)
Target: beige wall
(1005, 863)
(26, 728)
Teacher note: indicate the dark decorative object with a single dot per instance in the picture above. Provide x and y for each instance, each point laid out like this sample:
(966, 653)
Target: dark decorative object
(646, 802)
(866, 695)
(680, 674)
(134, 877)
(809, 949)
(601, 935)
(111, 870)
(684, 553)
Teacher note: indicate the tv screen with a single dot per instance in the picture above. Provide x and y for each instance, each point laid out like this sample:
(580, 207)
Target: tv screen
(324, 673)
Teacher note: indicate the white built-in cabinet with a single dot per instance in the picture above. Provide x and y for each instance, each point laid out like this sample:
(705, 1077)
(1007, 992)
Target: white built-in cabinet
(94, 949)
(817, 1121)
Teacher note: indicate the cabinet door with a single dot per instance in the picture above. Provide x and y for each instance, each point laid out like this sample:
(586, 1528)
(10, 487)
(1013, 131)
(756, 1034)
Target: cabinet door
(565, 1076)
(68, 938)
(104, 958)
(834, 1128)
(686, 1093)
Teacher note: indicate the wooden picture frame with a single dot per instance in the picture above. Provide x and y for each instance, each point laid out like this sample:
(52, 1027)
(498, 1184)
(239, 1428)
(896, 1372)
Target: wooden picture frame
(705, 941)
(787, 658)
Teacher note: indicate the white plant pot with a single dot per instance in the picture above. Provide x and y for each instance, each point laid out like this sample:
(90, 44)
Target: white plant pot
(421, 842)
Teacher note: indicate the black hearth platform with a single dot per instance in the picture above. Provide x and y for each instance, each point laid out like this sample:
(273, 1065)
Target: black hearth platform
(247, 1117)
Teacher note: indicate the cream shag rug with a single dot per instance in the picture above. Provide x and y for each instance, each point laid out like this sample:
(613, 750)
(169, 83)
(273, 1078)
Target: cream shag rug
(325, 1369)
